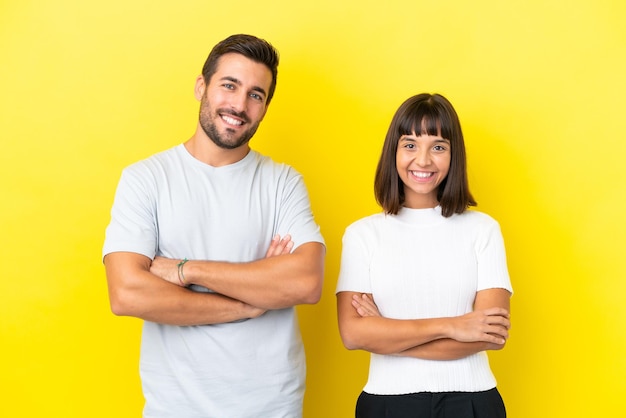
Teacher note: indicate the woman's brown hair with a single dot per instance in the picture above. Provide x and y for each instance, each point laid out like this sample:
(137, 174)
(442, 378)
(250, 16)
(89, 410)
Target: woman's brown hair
(424, 114)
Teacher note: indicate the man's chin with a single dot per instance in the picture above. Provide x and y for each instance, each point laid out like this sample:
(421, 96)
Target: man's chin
(228, 146)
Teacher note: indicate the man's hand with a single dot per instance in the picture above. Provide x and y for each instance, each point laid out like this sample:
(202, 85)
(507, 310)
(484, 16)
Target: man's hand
(279, 246)
(167, 269)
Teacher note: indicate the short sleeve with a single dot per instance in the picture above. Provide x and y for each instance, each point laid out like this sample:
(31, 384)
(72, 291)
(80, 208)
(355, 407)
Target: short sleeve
(491, 256)
(296, 217)
(354, 273)
(133, 225)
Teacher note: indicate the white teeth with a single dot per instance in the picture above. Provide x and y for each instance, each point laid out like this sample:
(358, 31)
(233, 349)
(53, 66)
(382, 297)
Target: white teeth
(421, 174)
(231, 121)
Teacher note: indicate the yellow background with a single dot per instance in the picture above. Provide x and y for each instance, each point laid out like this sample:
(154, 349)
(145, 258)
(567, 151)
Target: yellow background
(89, 87)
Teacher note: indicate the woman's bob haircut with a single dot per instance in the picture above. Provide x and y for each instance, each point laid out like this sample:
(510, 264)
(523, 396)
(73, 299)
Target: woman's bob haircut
(424, 114)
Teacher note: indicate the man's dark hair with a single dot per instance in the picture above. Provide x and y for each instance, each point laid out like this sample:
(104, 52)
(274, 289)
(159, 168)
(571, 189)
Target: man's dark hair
(249, 46)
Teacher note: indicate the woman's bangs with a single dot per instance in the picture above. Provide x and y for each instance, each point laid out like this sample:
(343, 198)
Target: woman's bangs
(421, 122)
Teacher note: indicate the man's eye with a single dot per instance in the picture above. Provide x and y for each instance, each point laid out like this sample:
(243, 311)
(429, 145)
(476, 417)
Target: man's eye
(256, 96)
(229, 86)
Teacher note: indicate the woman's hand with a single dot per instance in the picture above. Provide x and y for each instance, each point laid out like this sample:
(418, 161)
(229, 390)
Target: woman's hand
(364, 305)
(487, 325)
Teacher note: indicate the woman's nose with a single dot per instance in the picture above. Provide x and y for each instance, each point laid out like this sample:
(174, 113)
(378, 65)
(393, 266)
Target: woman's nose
(423, 158)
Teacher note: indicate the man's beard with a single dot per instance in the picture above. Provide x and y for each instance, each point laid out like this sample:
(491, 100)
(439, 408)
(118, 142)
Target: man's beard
(227, 140)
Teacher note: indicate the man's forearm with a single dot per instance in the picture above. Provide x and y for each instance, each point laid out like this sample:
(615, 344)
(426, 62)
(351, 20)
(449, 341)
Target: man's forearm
(134, 291)
(270, 283)
(195, 308)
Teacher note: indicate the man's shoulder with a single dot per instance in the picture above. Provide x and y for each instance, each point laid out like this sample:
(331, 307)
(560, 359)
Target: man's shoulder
(160, 159)
(267, 160)
(270, 165)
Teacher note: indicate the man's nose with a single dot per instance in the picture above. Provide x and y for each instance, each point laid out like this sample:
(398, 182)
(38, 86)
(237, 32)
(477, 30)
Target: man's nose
(239, 101)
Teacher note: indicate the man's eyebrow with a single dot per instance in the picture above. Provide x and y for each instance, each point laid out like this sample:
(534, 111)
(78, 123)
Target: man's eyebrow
(260, 90)
(231, 79)
(238, 82)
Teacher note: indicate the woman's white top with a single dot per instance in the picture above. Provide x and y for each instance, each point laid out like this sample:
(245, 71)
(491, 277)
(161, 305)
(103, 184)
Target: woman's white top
(419, 264)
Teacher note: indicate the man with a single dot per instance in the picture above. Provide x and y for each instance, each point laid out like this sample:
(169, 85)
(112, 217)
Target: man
(194, 249)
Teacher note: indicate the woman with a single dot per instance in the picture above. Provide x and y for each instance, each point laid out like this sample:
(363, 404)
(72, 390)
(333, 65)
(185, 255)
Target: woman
(424, 286)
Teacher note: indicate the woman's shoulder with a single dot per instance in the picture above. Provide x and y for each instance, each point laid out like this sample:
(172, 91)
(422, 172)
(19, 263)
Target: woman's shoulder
(473, 215)
(367, 225)
(368, 221)
(366, 230)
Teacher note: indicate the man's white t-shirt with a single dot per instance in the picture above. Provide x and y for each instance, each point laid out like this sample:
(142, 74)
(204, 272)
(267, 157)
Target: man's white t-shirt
(175, 206)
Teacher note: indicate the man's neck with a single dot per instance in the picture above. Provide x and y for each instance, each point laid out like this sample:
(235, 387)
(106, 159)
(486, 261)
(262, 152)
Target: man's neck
(203, 149)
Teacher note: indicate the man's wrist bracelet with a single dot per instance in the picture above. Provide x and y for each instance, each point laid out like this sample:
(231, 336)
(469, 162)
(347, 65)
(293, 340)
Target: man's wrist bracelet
(181, 276)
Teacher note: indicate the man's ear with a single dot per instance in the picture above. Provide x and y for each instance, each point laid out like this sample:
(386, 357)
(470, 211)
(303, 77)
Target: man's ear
(199, 88)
